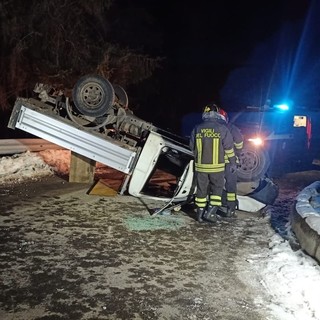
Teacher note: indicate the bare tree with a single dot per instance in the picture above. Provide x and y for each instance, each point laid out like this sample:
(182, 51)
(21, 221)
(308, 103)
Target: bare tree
(57, 41)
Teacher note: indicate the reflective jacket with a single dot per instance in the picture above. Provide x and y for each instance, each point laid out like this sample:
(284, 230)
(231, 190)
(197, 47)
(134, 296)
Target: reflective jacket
(210, 141)
(237, 140)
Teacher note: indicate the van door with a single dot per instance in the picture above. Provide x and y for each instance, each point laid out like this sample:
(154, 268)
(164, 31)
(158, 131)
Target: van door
(164, 170)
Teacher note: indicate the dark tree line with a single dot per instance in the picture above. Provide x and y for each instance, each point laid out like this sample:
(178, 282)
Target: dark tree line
(57, 41)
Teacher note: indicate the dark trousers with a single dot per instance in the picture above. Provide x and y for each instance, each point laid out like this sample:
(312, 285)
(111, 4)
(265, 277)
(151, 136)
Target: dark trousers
(231, 187)
(209, 181)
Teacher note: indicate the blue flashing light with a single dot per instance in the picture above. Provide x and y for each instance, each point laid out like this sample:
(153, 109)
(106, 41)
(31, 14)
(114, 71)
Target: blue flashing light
(283, 107)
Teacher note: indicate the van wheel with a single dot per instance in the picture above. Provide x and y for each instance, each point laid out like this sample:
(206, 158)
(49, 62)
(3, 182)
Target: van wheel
(93, 95)
(121, 96)
(254, 163)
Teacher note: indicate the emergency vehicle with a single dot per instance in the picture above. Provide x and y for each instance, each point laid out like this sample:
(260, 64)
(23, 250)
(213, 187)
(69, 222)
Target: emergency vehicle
(277, 139)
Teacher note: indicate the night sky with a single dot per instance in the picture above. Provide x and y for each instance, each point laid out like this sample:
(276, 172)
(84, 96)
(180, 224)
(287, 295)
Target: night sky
(234, 53)
(210, 46)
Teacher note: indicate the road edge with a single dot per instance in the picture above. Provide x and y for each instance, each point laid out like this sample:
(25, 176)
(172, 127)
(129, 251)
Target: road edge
(305, 219)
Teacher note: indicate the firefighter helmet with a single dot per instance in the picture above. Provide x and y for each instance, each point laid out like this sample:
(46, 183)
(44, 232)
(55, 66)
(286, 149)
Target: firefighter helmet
(211, 107)
(210, 112)
(224, 115)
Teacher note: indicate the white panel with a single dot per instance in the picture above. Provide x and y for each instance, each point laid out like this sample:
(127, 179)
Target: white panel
(90, 145)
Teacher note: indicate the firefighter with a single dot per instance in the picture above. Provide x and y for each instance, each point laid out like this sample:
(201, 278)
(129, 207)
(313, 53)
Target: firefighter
(230, 176)
(210, 141)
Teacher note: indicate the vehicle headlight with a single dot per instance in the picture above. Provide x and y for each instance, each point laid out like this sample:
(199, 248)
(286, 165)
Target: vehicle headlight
(257, 141)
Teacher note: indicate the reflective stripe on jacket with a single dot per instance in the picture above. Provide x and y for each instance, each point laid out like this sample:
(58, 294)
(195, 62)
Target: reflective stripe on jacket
(237, 140)
(210, 141)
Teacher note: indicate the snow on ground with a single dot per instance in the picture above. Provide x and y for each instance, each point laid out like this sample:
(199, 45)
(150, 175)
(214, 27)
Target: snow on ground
(20, 167)
(291, 278)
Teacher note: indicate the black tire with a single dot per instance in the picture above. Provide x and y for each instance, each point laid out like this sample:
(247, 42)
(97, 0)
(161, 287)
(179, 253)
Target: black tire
(93, 95)
(254, 163)
(121, 96)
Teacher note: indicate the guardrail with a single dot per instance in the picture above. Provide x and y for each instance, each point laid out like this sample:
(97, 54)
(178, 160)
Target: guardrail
(13, 146)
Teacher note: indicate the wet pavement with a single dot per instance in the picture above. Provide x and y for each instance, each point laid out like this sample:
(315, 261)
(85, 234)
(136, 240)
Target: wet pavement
(69, 255)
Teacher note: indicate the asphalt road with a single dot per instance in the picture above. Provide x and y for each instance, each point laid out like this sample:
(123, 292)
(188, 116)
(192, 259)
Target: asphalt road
(69, 255)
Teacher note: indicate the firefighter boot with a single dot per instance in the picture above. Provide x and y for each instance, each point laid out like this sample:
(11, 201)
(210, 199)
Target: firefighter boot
(231, 209)
(231, 213)
(200, 212)
(210, 214)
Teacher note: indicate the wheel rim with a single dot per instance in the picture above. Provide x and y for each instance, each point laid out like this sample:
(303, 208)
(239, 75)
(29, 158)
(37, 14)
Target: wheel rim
(249, 161)
(92, 95)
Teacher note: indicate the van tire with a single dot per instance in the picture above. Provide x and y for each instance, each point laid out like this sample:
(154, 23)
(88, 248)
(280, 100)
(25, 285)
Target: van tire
(254, 164)
(93, 95)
